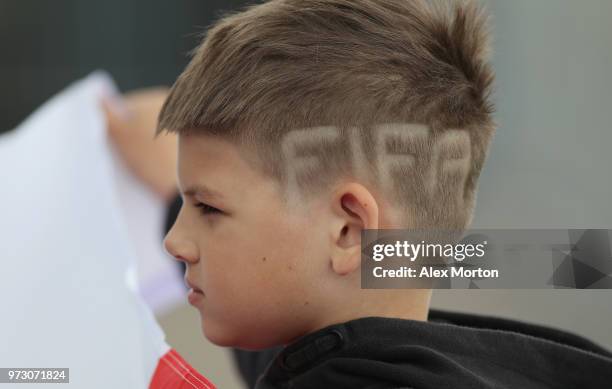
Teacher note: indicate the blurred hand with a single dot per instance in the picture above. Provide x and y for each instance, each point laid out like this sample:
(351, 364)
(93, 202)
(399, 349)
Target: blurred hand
(132, 129)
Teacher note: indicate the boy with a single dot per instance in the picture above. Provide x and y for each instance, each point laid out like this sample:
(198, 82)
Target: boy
(302, 123)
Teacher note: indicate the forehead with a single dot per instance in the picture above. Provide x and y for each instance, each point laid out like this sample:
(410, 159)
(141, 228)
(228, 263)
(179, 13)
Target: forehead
(213, 163)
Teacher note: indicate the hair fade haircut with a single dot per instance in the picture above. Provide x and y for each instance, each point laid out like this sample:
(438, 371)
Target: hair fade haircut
(287, 65)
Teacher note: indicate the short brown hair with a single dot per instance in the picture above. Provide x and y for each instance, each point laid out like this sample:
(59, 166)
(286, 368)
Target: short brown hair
(286, 65)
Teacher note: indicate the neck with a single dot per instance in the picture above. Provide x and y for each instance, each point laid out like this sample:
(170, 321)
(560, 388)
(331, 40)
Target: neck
(407, 304)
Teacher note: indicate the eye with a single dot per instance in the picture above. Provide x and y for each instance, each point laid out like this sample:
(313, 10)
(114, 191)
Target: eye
(206, 209)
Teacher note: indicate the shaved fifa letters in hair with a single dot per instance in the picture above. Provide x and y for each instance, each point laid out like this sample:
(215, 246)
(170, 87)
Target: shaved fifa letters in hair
(392, 93)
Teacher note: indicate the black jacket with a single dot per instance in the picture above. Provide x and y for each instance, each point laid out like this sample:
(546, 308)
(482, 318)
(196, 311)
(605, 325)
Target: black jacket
(450, 350)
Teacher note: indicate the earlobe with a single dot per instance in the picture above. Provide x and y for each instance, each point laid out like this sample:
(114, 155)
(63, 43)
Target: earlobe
(345, 262)
(346, 256)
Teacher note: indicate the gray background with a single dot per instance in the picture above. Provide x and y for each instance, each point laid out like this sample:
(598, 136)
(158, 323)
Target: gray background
(550, 162)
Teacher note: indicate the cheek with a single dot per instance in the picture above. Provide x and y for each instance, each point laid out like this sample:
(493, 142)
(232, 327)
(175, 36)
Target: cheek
(234, 268)
(267, 275)
(269, 265)
(261, 252)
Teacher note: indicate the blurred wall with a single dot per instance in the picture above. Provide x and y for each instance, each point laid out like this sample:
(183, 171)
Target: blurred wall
(550, 164)
(44, 45)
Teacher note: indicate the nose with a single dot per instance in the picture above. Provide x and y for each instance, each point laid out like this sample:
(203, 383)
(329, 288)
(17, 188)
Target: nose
(181, 249)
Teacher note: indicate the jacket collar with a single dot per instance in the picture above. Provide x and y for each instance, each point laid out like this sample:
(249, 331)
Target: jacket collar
(316, 347)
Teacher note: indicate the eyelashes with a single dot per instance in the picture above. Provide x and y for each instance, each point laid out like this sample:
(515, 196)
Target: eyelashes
(206, 209)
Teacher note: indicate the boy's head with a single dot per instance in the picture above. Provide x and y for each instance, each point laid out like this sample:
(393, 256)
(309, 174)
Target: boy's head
(308, 121)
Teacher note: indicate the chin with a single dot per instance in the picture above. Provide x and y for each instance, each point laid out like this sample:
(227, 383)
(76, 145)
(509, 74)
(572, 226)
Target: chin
(220, 335)
(226, 336)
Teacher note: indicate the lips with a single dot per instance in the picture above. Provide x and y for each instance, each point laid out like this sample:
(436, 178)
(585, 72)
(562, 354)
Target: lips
(193, 286)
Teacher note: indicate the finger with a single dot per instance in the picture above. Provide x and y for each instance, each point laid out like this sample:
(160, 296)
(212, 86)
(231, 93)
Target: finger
(116, 114)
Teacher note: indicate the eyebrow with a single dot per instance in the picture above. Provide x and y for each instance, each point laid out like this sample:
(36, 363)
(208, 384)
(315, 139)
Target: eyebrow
(202, 190)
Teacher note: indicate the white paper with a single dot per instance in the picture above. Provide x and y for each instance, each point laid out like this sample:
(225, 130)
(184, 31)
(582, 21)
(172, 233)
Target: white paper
(79, 236)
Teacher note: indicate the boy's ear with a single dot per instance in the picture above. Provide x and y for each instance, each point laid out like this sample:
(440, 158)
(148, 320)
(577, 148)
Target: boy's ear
(354, 209)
